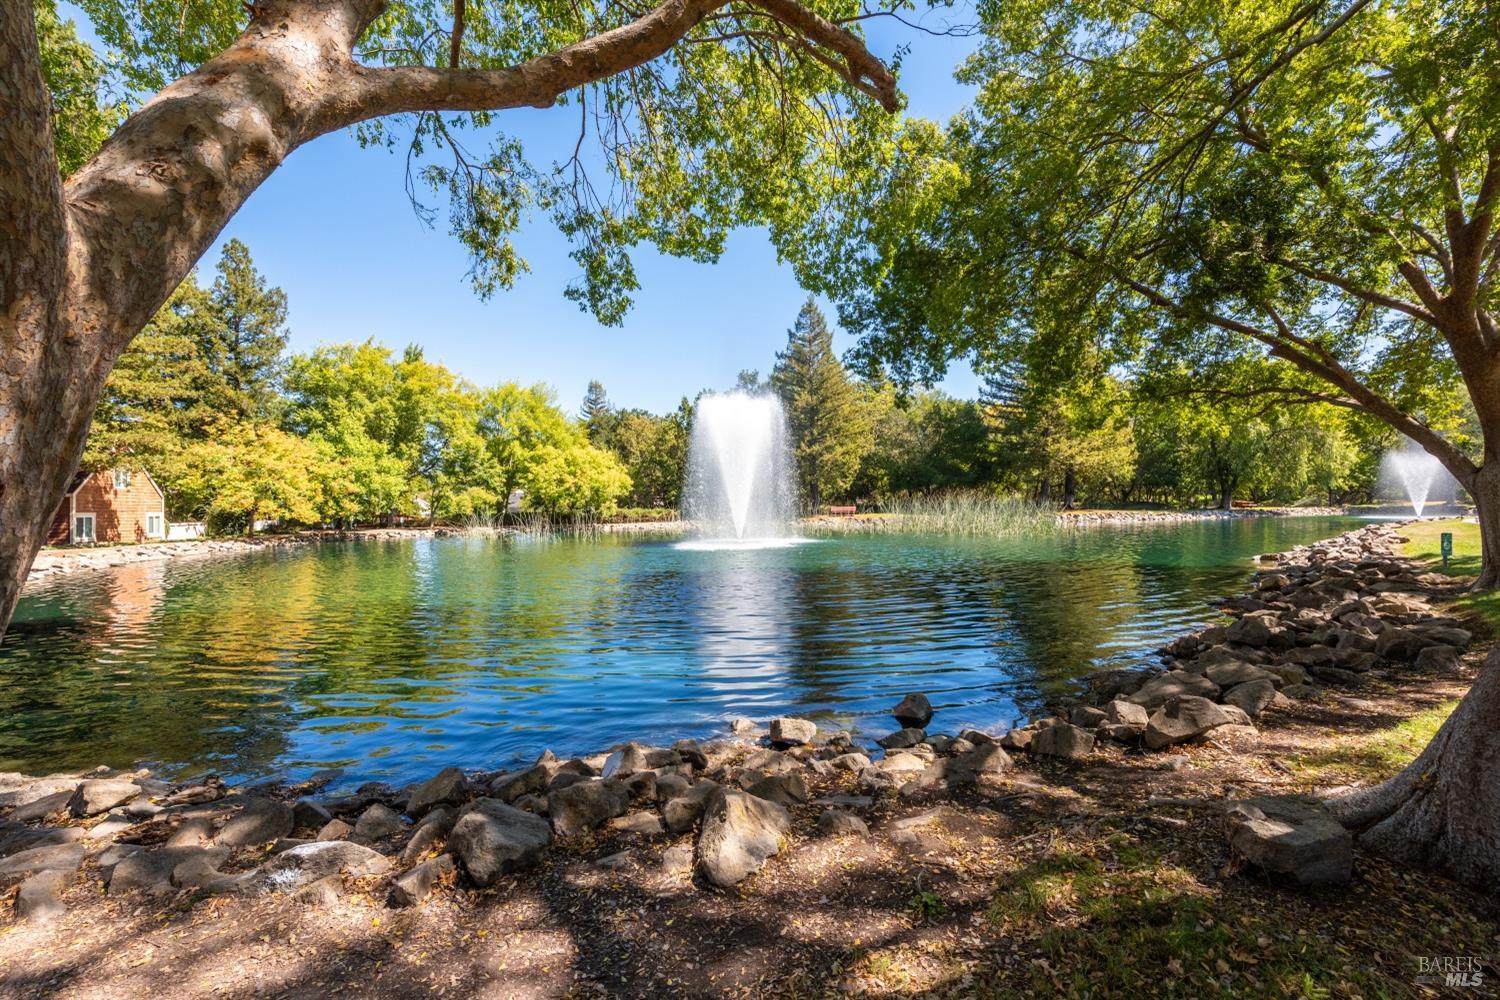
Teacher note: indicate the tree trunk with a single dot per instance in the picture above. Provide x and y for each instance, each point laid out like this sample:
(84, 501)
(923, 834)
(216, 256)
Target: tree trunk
(1443, 811)
(1226, 494)
(1044, 491)
(1070, 487)
(1484, 487)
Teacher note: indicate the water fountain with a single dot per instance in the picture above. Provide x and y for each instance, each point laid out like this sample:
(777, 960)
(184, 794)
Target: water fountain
(739, 491)
(1415, 472)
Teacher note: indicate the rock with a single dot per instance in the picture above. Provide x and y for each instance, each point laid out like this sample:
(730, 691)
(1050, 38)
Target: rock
(966, 768)
(629, 759)
(42, 807)
(1335, 676)
(585, 805)
(786, 790)
(692, 754)
(25, 838)
(1447, 635)
(682, 813)
(897, 761)
(1065, 740)
(677, 860)
(1287, 673)
(1249, 632)
(854, 762)
(301, 865)
(154, 871)
(99, 795)
(1126, 713)
(639, 825)
(334, 829)
(562, 780)
(1252, 697)
(669, 786)
(378, 822)
(261, 820)
(323, 892)
(1159, 690)
(433, 828)
(532, 781)
(976, 737)
(40, 896)
(788, 731)
(1234, 672)
(1184, 718)
(740, 831)
(1299, 691)
(1292, 837)
(449, 787)
(913, 712)
(492, 839)
(1086, 716)
(411, 888)
(1400, 644)
(51, 857)
(309, 815)
(641, 786)
(201, 869)
(837, 823)
(902, 738)
(743, 727)
(1438, 659)
(1017, 739)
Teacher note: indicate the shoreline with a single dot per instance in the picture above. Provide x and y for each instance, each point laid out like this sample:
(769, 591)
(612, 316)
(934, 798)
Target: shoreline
(767, 812)
(52, 564)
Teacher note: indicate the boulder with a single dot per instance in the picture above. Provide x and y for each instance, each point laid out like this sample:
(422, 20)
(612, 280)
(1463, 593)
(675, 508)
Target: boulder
(1017, 739)
(740, 831)
(585, 805)
(1286, 673)
(260, 821)
(682, 813)
(411, 888)
(677, 860)
(334, 829)
(1291, 836)
(902, 738)
(976, 737)
(854, 762)
(1249, 632)
(1126, 713)
(40, 896)
(913, 712)
(1251, 697)
(43, 806)
(1438, 659)
(629, 759)
(640, 825)
(309, 815)
(837, 823)
(531, 781)
(1234, 672)
(1183, 718)
(1086, 716)
(449, 787)
(491, 839)
(99, 795)
(299, 866)
(434, 827)
(1159, 690)
(966, 768)
(785, 790)
(787, 731)
(691, 754)
(378, 822)
(1065, 740)
(1400, 644)
(50, 857)
(669, 786)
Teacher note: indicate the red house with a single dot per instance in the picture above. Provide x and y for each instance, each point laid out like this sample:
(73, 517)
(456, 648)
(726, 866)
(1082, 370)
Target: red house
(110, 505)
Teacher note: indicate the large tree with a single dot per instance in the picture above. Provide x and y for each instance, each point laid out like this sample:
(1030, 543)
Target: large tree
(826, 414)
(707, 114)
(1200, 183)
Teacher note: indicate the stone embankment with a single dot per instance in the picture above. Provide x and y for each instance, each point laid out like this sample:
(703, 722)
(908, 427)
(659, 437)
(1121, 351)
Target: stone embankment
(53, 563)
(716, 812)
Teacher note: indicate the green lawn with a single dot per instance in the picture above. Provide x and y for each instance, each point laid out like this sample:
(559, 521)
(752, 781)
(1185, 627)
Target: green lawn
(1424, 545)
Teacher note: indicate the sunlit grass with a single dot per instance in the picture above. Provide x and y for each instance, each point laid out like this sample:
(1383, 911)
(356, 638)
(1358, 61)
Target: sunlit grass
(1374, 757)
(1425, 545)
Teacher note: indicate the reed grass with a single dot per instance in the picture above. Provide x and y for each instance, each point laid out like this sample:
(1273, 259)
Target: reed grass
(965, 512)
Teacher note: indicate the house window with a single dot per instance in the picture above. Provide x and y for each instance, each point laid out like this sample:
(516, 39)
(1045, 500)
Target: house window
(122, 479)
(153, 526)
(83, 528)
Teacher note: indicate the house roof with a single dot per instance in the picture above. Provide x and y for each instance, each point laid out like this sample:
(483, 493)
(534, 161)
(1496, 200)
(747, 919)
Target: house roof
(82, 475)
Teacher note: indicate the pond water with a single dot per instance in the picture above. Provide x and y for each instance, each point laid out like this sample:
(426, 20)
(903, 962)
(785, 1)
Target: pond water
(392, 659)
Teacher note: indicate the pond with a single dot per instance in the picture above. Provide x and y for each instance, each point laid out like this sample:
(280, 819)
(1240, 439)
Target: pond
(392, 659)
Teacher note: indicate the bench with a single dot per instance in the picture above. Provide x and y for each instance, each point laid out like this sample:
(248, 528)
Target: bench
(843, 511)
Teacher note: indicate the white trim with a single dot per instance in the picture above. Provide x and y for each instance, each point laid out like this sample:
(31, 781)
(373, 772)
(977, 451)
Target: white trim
(158, 493)
(93, 526)
(72, 510)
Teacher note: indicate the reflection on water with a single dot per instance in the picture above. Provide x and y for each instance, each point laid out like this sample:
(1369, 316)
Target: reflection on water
(394, 658)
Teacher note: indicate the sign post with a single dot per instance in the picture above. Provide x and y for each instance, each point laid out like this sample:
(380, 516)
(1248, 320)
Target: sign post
(1445, 543)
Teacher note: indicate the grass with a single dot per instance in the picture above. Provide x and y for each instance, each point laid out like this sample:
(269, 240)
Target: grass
(1375, 757)
(1425, 545)
(1114, 916)
(961, 512)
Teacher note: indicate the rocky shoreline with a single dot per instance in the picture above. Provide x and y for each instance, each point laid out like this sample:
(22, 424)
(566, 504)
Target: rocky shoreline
(712, 814)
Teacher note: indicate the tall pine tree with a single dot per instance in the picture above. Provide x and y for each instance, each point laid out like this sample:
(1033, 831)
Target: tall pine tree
(825, 413)
(246, 337)
(598, 416)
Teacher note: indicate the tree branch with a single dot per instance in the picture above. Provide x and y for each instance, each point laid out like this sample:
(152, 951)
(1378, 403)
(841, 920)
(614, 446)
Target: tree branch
(540, 81)
(1365, 294)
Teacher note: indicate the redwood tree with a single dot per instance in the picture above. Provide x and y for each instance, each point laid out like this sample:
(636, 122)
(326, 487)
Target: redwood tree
(705, 114)
(1302, 190)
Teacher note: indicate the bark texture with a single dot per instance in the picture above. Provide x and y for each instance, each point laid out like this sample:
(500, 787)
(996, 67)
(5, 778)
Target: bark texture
(84, 266)
(1443, 810)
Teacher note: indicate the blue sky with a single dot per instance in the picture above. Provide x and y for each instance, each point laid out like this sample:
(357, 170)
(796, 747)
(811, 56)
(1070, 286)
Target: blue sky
(334, 228)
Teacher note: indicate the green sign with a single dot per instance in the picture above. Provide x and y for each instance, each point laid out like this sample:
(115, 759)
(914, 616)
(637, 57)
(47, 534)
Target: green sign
(1445, 543)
